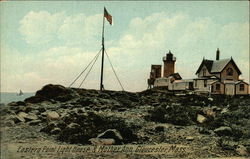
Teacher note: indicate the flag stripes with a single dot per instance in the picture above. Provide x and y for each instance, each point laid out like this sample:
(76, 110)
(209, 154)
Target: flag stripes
(107, 16)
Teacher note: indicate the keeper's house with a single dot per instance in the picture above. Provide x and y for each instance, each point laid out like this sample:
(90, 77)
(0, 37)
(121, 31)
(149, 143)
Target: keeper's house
(220, 77)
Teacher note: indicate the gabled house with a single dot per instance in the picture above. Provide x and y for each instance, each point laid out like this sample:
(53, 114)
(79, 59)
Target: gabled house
(220, 77)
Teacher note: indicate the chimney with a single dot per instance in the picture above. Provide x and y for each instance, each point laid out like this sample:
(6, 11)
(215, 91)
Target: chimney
(218, 54)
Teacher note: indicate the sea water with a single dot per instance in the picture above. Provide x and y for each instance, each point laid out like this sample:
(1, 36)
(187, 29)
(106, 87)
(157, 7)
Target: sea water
(7, 97)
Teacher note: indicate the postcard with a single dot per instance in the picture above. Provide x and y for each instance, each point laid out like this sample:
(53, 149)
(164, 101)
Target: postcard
(124, 79)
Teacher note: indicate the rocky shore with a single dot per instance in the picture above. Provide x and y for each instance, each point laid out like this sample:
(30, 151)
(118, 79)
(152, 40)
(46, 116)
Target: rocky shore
(216, 126)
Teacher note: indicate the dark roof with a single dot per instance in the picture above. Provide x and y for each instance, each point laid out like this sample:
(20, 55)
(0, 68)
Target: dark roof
(176, 76)
(217, 65)
(207, 63)
(216, 82)
(241, 82)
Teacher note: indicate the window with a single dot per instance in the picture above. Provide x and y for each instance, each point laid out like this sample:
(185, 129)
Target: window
(217, 87)
(205, 83)
(241, 87)
(204, 71)
(157, 73)
(230, 72)
(195, 83)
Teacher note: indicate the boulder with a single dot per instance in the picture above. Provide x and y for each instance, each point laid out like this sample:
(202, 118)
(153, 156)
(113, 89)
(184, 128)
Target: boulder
(210, 113)
(28, 109)
(121, 109)
(34, 99)
(86, 101)
(41, 109)
(223, 131)
(81, 110)
(201, 119)
(19, 103)
(160, 128)
(210, 99)
(49, 127)
(44, 114)
(61, 124)
(224, 111)
(19, 109)
(4, 112)
(111, 134)
(34, 122)
(53, 115)
(56, 92)
(66, 105)
(67, 118)
(216, 109)
(31, 117)
(204, 131)
(190, 138)
(242, 150)
(100, 141)
(17, 119)
(73, 126)
(51, 91)
(11, 112)
(9, 123)
(55, 131)
(226, 144)
(73, 133)
(22, 114)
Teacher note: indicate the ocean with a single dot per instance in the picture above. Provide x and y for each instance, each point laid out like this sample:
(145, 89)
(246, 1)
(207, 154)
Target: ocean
(10, 97)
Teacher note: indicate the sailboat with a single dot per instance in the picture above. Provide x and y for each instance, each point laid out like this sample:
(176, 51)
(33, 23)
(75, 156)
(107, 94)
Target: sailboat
(20, 93)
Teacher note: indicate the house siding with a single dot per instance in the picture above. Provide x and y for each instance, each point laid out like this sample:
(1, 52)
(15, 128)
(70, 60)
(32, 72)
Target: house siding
(234, 77)
(162, 82)
(200, 74)
(220, 91)
(229, 89)
(179, 86)
(239, 92)
(216, 75)
(200, 86)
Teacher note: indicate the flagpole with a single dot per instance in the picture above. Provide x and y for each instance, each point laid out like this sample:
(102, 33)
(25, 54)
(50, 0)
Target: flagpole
(101, 83)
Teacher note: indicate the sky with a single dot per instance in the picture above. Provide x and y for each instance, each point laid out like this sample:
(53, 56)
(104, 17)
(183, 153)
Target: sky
(53, 41)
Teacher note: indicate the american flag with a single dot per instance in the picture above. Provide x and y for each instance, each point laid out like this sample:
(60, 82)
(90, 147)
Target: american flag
(107, 16)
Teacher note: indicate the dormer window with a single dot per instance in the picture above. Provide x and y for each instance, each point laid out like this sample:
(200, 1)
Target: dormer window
(230, 72)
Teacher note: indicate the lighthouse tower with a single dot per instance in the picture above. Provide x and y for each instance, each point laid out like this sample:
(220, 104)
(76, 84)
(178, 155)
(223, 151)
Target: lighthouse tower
(169, 64)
